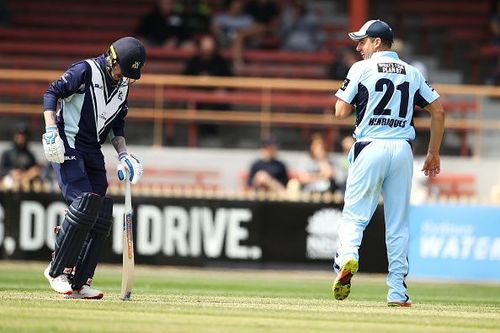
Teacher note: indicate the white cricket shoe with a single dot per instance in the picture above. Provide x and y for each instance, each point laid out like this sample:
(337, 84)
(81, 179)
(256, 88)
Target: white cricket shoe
(86, 292)
(60, 283)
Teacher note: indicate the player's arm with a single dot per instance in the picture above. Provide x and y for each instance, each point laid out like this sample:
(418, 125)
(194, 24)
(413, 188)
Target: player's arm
(347, 93)
(342, 109)
(432, 163)
(68, 84)
(128, 164)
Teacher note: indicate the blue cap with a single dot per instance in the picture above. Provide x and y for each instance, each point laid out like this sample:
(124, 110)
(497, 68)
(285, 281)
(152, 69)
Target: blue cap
(373, 28)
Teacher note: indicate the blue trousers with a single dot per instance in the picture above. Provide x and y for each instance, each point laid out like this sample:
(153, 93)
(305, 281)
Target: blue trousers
(379, 167)
(81, 172)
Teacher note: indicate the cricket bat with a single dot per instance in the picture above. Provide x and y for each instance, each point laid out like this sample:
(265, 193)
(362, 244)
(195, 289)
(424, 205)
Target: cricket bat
(128, 245)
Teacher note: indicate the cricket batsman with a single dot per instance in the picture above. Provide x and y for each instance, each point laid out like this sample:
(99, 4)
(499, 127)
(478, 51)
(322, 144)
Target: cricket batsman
(92, 100)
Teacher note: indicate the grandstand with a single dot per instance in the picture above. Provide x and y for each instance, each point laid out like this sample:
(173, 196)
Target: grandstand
(49, 35)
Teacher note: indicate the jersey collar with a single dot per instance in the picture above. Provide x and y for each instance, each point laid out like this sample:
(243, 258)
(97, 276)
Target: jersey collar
(390, 54)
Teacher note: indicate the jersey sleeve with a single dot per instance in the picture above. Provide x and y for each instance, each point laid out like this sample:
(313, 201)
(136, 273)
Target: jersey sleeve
(425, 95)
(68, 84)
(349, 89)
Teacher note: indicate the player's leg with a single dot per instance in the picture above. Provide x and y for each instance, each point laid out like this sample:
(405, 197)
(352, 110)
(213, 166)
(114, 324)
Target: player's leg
(396, 192)
(80, 218)
(87, 262)
(366, 174)
(92, 248)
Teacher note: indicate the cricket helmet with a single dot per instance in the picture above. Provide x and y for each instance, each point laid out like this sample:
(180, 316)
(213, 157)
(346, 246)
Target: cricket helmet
(130, 54)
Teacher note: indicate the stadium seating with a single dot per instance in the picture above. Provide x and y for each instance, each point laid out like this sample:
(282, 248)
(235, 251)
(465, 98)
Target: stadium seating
(458, 185)
(450, 30)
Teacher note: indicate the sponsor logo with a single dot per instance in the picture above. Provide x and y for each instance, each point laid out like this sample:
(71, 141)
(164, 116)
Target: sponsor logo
(120, 95)
(322, 230)
(345, 84)
(190, 232)
(427, 83)
(456, 242)
(70, 158)
(102, 115)
(391, 67)
(136, 65)
(98, 86)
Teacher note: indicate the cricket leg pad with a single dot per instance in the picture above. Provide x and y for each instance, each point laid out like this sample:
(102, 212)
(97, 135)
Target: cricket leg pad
(90, 254)
(80, 219)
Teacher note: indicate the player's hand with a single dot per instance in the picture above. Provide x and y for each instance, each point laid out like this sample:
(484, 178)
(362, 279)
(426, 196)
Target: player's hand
(432, 164)
(53, 146)
(129, 166)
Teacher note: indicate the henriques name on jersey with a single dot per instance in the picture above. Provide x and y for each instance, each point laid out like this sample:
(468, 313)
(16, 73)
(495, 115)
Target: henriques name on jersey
(377, 121)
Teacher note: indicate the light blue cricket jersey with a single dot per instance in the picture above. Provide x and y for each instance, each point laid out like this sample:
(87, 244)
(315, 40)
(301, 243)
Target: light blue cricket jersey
(385, 90)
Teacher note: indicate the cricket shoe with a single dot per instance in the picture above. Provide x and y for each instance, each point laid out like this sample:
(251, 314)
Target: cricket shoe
(342, 284)
(60, 283)
(406, 304)
(85, 292)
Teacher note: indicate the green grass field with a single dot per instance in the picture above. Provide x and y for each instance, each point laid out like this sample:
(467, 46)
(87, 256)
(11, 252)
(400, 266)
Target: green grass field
(202, 300)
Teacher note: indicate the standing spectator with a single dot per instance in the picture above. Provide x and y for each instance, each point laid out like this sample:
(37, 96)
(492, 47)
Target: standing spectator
(318, 174)
(268, 172)
(384, 90)
(299, 28)
(209, 62)
(18, 164)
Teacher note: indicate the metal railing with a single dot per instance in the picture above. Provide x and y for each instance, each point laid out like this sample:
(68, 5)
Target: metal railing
(158, 111)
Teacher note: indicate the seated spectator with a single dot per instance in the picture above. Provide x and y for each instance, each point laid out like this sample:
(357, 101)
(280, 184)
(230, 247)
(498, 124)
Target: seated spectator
(495, 23)
(318, 174)
(343, 61)
(266, 14)
(233, 28)
(207, 61)
(171, 24)
(18, 164)
(299, 28)
(4, 14)
(197, 15)
(268, 173)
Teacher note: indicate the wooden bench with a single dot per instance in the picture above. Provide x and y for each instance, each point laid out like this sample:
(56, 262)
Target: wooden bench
(433, 7)
(71, 36)
(70, 21)
(104, 8)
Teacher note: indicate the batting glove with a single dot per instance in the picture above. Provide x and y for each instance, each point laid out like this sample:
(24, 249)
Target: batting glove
(129, 166)
(53, 146)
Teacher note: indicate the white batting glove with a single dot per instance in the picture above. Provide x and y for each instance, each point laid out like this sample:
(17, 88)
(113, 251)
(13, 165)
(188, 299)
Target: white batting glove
(129, 166)
(53, 146)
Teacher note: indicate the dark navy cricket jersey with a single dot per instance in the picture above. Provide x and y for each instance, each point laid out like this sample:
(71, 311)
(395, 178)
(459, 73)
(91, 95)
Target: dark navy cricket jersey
(92, 107)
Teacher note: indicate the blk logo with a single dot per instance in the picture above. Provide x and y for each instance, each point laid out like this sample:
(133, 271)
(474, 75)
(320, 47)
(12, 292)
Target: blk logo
(136, 65)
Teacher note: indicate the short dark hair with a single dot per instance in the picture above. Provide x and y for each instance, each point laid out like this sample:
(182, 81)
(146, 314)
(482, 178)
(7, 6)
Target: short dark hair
(386, 42)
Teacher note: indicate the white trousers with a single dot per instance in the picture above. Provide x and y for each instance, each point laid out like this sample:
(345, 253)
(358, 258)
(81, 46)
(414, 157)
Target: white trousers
(381, 167)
